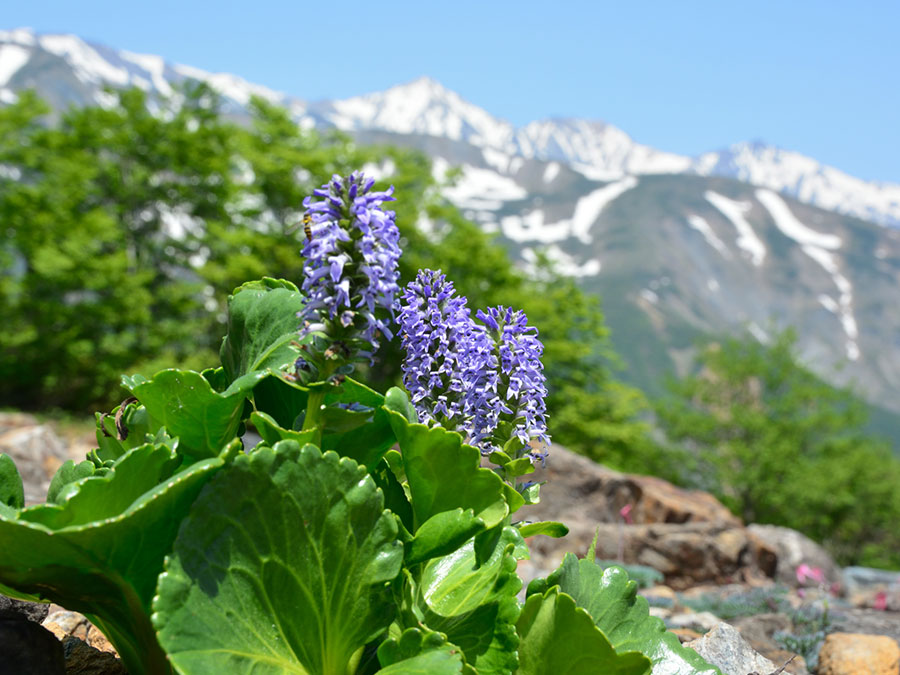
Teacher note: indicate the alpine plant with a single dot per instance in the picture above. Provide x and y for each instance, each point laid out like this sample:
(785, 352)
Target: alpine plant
(350, 274)
(483, 379)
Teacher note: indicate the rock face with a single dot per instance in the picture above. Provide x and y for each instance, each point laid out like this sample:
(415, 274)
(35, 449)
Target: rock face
(793, 549)
(689, 536)
(724, 647)
(26, 648)
(579, 489)
(856, 654)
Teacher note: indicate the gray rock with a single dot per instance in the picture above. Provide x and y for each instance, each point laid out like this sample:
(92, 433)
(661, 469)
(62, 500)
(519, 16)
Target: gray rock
(37, 451)
(82, 659)
(792, 549)
(10, 608)
(866, 621)
(860, 578)
(26, 648)
(724, 647)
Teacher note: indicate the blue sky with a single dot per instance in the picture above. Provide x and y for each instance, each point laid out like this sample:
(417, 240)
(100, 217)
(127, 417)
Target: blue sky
(816, 77)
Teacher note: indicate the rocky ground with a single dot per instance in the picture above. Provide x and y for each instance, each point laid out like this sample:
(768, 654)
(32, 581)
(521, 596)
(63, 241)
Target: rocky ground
(750, 598)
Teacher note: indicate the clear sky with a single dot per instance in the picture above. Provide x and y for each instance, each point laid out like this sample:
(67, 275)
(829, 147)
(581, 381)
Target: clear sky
(821, 78)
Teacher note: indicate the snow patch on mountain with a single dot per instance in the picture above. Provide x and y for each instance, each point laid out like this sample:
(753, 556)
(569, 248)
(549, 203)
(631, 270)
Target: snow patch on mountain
(561, 262)
(806, 180)
(734, 211)
(479, 188)
(88, 65)
(551, 172)
(532, 226)
(700, 224)
(155, 68)
(234, 87)
(12, 57)
(817, 246)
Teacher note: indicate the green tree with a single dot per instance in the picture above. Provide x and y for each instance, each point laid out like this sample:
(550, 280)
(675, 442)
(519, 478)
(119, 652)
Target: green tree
(778, 445)
(103, 218)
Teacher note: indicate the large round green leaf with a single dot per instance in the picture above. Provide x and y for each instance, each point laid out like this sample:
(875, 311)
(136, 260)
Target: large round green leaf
(558, 638)
(475, 604)
(184, 402)
(282, 567)
(105, 567)
(624, 617)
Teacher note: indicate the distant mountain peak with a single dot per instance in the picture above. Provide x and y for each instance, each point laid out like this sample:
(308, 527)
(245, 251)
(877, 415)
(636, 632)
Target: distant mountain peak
(426, 107)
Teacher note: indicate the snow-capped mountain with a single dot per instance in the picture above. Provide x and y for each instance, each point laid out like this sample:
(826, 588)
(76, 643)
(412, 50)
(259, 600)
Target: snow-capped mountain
(678, 247)
(425, 107)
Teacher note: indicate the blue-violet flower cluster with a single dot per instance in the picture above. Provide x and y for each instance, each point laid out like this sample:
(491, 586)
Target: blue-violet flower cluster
(351, 251)
(485, 380)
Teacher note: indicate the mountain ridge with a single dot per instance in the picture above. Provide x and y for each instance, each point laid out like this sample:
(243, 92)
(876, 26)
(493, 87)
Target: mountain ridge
(424, 106)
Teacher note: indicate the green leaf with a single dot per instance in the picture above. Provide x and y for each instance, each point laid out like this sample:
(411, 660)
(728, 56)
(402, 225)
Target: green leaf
(272, 432)
(184, 402)
(12, 492)
(475, 605)
(284, 401)
(106, 495)
(558, 638)
(419, 651)
(395, 498)
(106, 568)
(366, 443)
(262, 323)
(442, 534)
(549, 528)
(397, 400)
(69, 472)
(624, 616)
(444, 474)
(282, 566)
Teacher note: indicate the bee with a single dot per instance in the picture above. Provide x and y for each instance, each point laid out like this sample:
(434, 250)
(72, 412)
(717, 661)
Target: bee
(307, 226)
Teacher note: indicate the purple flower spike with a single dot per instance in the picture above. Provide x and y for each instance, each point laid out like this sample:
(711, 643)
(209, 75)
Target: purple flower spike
(351, 272)
(485, 381)
(444, 349)
(521, 384)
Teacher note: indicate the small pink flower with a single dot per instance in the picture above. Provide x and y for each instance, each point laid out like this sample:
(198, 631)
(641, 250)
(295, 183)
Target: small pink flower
(880, 601)
(625, 512)
(805, 572)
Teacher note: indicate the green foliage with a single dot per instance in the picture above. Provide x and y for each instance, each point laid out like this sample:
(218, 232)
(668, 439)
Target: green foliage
(100, 551)
(611, 599)
(284, 558)
(778, 445)
(271, 541)
(551, 624)
(123, 228)
(12, 492)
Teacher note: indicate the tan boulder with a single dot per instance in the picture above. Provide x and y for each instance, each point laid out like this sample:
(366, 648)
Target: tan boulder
(859, 654)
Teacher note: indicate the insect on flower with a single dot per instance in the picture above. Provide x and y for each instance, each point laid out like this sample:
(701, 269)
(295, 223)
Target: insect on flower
(307, 226)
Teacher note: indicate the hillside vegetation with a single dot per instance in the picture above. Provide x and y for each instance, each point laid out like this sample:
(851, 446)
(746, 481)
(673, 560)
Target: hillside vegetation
(123, 227)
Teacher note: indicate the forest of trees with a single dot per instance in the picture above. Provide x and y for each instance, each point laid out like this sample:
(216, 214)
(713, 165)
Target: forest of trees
(124, 231)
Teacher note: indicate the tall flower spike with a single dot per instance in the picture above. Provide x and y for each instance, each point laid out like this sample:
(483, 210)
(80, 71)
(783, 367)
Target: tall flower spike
(351, 251)
(519, 389)
(485, 381)
(446, 352)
